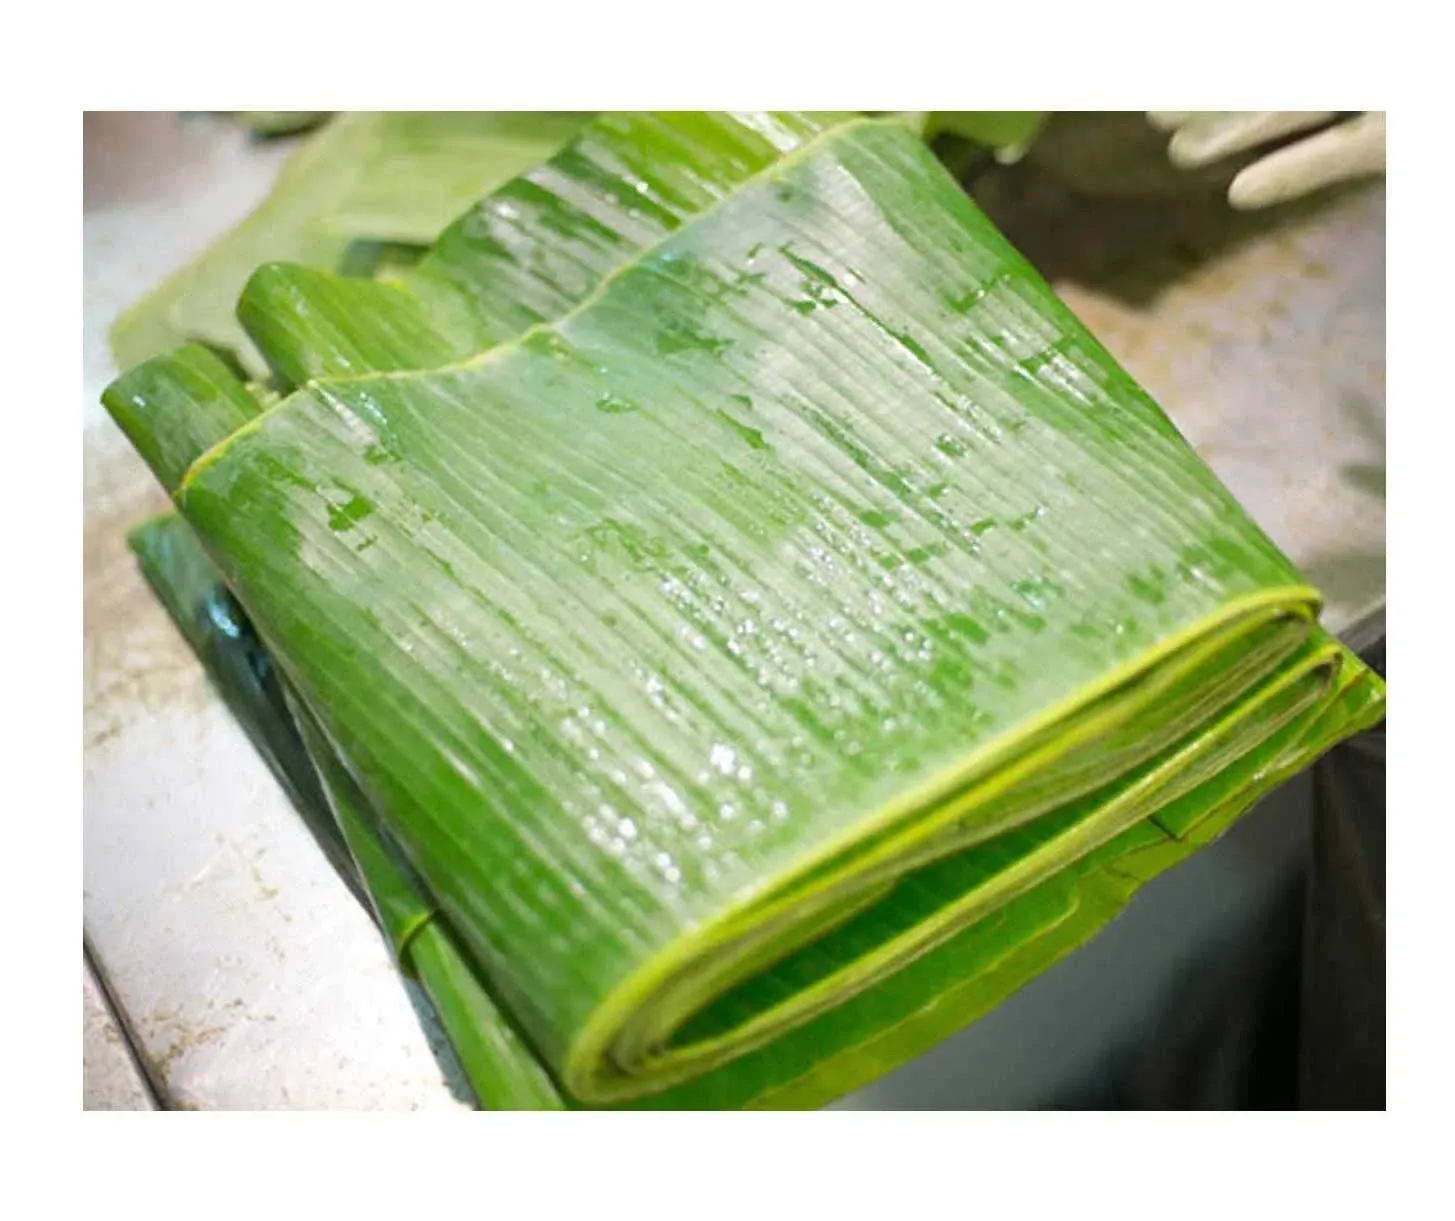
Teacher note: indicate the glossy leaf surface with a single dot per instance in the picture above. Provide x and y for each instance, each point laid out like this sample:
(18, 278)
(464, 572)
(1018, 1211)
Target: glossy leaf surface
(812, 595)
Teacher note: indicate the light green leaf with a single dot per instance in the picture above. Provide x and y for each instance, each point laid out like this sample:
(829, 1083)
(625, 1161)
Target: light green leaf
(282, 122)
(393, 177)
(524, 254)
(1008, 132)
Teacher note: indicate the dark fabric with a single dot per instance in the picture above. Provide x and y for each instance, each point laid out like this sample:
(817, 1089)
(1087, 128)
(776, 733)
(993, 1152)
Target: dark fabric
(1341, 1061)
(1289, 1014)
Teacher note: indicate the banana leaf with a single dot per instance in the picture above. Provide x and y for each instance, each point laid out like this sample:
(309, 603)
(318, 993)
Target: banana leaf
(524, 254)
(889, 586)
(175, 407)
(533, 248)
(390, 177)
(495, 1058)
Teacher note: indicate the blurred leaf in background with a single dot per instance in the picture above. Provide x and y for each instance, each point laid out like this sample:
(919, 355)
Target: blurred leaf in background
(1004, 133)
(267, 123)
(394, 179)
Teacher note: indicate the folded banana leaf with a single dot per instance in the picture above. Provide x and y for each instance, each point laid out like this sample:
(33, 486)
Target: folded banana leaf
(781, 657)
(494, 1057)
(176, 407)
(395, 177)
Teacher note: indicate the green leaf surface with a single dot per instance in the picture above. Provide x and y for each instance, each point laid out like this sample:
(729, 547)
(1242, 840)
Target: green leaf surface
(495, 1058)
(174, 407)
(524, 254)
(895, 1020)
(814, 596)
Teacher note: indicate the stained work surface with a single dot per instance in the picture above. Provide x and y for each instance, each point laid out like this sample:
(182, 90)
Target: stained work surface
(111, 1078)
(249, 975)
(252, 978)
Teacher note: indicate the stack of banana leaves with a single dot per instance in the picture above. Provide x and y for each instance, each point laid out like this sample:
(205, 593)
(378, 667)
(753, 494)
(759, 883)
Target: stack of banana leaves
(727, 617)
